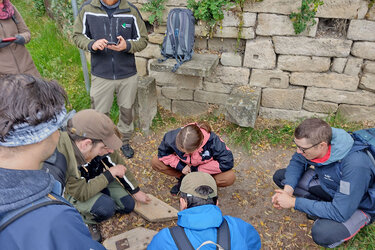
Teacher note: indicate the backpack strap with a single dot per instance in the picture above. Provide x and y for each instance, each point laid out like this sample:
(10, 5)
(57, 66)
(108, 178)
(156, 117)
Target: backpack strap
(180, 238)
(9, 217)
(223, 235)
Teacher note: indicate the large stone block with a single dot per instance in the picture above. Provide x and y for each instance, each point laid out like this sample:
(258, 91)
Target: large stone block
(231, 19)
(369, 67)
(226, 45)
(189, 108)
(146, 105)
(249, 19)
(371, 14)
(303, 63)
(164, 102)
(200, 43)
(151, 51)
(160, 29)
(320, 107)
(176, 93)
(312, 47)
(269, 78)
(345, 9)
(231, 59)
(361, 30)
(278, 7)
(175, 3)
(325, 80)
(171, 79)
(353, 66)
(360, 97)
(141, 64)
(227, 32)
(285, 114)
(280, 25)
(145, 15)
(156, 38)
(217, 87)
(210, 97)
(368, 82)
(338, 65)
(291, 98)
(356, 113)
(242, 106)
(364, 50)
(259, 54)
(230, 75)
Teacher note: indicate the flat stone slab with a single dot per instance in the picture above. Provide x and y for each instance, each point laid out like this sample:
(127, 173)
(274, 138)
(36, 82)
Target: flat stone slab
(135, 239)
(156, 210)
(200, 65)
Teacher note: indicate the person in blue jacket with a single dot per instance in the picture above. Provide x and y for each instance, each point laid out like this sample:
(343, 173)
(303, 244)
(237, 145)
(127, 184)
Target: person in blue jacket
(332, 178)
(200, 217)
(31, 111)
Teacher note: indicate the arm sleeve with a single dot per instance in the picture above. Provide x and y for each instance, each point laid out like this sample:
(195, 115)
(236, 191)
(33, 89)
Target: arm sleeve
(295, 169)
(240, 232)
(81, 190)
(222, 154)
(81, 33)
(168, 156)
(129, 181)
(21, 26)
(356, 179)
(141, 37)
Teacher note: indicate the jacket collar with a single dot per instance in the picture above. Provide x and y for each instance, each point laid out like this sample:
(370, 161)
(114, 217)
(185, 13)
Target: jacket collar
(124, 6)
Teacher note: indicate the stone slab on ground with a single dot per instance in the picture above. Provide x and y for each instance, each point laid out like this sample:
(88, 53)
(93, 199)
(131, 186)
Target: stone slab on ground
(135, 239)
(156, 210)
(200, 65)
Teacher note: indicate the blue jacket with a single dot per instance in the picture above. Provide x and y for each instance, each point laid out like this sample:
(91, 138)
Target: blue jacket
(201, 224)
(49, 227)
(347, 176)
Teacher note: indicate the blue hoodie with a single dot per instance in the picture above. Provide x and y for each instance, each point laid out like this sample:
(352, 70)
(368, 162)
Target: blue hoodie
(200, 224)
(49, 227)
(346, 176)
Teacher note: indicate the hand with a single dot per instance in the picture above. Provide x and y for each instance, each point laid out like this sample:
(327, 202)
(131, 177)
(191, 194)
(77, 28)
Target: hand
(186, 170)
(120, 46)
(289, 190)
(118, 170)
(142, 197)
(99, 44)
(20, 39)
(283, 200)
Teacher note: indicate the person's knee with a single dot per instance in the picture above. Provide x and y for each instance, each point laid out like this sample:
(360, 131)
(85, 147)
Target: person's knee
(103, 209)
(328, 233)
(155, 163)
(128, 204)
(225, 179)
(278, 177)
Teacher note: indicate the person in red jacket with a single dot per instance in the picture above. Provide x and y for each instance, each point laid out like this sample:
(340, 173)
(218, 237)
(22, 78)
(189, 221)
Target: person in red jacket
(193, 148)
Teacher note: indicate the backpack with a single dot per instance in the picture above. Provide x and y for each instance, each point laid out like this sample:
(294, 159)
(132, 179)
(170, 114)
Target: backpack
(183, 243)
(367, 137)
(9, 217)
(179, 38)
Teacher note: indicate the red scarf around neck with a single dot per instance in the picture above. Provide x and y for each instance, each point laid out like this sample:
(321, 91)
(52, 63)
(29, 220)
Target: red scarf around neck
(6, 10)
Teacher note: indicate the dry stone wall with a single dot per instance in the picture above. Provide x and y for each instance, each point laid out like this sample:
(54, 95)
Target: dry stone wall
(321, 71)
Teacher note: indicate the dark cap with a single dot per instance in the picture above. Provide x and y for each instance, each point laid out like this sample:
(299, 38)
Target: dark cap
(196, 179)
(94, 125)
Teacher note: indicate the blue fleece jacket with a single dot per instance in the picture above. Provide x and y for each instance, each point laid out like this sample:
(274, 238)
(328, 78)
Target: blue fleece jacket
(200, 224)
(347, 176)
(49, 227)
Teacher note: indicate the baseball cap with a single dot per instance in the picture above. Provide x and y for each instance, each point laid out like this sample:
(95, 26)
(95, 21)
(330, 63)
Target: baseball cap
(94, 125)
(196, 179)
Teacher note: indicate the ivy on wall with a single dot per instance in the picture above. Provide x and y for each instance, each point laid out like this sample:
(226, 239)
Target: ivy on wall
(155, 7)
(301, 20)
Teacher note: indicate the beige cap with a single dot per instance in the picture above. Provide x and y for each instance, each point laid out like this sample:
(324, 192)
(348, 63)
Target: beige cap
(94, 125)
(196, 179)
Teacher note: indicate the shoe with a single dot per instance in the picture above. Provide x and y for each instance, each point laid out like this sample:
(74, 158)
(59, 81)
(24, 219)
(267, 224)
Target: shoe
(95, 232)
(127, 151)
(176, 188)
(312, 217)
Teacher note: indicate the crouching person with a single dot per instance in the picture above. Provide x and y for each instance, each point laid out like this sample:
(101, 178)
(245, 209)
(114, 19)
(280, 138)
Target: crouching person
(200, 221)
(97, 182)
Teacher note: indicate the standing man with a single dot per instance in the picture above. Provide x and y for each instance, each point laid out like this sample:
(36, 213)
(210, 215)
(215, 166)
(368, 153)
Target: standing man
(97, 181)
(338, 192)
(31, 111)
(200, 218)
(112, 30)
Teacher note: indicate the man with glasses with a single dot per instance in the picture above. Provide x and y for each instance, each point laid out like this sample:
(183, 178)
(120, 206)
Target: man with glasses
(331, 177)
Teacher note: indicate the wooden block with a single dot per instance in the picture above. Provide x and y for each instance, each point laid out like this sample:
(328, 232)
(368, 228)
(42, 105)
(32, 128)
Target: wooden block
(156, 210)
(135, 239)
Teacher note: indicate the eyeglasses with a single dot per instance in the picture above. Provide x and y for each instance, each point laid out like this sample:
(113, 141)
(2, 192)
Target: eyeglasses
(305, 149)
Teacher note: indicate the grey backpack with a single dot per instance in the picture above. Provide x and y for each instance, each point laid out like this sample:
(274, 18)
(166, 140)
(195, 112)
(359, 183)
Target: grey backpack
(179, 38)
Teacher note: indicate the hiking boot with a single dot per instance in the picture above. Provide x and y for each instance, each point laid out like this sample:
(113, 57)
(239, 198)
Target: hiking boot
(176, 188)
(127, 151)
(312, 217)
(95, 232)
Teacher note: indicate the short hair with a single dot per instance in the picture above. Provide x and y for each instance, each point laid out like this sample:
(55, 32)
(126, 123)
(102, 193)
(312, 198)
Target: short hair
(28, 99)
(190, 137)
(315, 130)
(193, 201)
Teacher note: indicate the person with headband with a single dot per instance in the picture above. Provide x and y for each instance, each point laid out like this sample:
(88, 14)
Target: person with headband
(194, 148)
(31, 112)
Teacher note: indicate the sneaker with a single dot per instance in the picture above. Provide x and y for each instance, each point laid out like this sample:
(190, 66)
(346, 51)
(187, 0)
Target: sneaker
(95, 232)
(176, 188)
(127, 150)
(312, 217)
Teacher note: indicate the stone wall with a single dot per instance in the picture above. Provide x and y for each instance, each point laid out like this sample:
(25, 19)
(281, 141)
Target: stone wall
(323, 70)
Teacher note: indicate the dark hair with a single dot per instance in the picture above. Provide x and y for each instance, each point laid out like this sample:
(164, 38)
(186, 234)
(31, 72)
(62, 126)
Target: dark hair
(193, 201)
(190, 137)
(24, 98)
(78, 138)
(315, 130)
